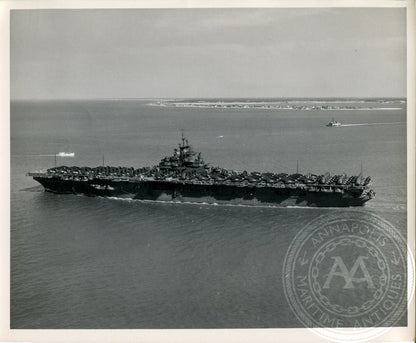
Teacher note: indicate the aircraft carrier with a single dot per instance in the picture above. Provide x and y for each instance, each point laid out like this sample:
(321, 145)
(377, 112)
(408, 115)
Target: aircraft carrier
(185, 177)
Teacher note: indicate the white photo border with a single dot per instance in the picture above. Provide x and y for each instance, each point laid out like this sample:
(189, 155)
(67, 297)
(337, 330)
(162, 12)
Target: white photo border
(180, 335)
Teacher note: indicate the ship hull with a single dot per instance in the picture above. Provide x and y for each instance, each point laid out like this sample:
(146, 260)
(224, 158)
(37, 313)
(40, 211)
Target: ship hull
(201, 193)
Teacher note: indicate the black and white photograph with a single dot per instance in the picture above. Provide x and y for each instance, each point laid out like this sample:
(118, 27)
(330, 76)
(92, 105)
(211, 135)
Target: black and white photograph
(212, 168)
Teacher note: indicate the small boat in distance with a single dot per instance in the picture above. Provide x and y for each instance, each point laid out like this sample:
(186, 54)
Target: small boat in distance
(333, 123)
(65, 154)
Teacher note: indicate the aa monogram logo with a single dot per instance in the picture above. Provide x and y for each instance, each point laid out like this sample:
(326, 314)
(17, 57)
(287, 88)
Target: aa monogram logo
(349, 276)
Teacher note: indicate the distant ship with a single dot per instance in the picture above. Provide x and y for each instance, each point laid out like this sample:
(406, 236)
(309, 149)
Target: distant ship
(185, 177)
(65, 154)
(334, 123)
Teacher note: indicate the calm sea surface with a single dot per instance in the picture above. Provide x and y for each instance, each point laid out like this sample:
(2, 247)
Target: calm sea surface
(80, 262)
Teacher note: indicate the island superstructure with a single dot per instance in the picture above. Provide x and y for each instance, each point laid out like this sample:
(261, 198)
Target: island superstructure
(185, 177)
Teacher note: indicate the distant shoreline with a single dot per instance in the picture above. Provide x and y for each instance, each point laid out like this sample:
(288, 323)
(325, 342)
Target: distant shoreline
(281, 105)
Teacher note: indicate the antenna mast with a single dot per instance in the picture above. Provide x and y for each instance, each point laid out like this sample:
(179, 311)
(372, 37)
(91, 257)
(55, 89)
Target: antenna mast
(183, 138)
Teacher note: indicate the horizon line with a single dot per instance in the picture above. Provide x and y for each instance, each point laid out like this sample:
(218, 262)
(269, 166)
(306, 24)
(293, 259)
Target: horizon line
(179, 98)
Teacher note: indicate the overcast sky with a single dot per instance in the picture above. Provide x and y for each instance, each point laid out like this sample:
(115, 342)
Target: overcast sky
(208, 53)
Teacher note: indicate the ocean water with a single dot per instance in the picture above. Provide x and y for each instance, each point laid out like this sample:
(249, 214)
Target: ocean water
(80, 262)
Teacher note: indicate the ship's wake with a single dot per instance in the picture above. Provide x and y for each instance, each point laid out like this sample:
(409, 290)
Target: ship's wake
(373, 124)
(195, 203)
(33, 189)
(386, 206)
